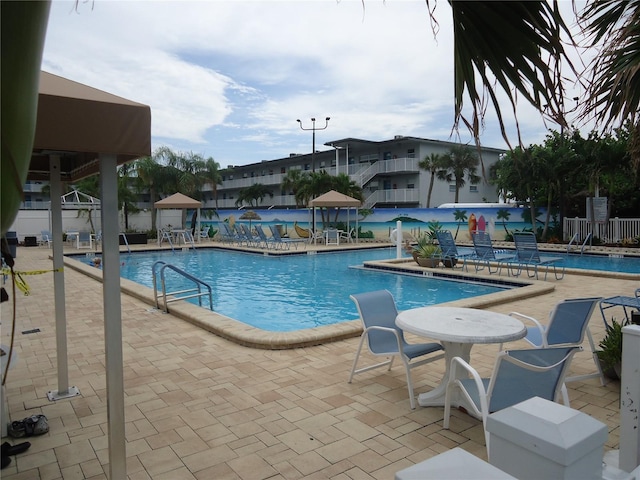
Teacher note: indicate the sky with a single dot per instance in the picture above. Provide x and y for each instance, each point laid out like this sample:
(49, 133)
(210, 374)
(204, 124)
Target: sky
(227, 79)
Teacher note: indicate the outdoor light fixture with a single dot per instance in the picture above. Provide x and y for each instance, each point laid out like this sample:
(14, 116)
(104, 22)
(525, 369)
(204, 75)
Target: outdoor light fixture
(313, 137)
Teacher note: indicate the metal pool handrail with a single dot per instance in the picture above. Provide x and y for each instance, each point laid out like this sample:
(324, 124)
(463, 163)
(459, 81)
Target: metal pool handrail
(199, 283)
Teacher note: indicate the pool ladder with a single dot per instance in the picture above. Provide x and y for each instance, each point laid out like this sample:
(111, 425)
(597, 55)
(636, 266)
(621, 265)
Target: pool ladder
(576, 238)
(159, 270)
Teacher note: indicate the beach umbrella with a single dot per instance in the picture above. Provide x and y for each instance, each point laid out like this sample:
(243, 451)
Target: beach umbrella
(250, 215)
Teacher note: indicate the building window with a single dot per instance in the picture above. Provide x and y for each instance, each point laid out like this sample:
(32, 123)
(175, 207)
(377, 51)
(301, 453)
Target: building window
(411, 153)
(306, 166)
(411, 186)
(452, 188)
(473, 188)
(283, 170)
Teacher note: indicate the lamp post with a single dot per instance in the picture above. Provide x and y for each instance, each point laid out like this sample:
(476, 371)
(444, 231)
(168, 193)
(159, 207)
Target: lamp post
(313, 137)
(313, 159)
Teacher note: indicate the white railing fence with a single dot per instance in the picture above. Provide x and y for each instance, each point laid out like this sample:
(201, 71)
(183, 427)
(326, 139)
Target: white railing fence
(616, 230)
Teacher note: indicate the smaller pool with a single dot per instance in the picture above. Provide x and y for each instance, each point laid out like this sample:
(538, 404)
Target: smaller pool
(606, 263)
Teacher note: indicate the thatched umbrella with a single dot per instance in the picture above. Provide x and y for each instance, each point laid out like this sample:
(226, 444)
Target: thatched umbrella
(250, 215)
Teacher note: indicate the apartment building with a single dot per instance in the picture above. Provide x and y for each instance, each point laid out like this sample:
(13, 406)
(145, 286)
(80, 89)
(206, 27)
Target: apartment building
(387, 171)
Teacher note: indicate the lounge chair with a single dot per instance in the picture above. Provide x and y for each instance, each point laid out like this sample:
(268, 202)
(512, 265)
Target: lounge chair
(518, 375)
(620, 301)
(248, 237)
(227, 235)
(266, 241)
(284, 243)
(450, 254)
(378, 313)
(568, 323)
(528, 255)
(485, 254)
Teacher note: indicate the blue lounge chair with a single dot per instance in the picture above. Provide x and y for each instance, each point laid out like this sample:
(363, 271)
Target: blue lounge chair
(528, 255)
(378, 313)
(284, 243)
(267, 242)
(620, 301)
(486, 255)
(518, 375)
(248, 237)
(568, 323)
(450, 253)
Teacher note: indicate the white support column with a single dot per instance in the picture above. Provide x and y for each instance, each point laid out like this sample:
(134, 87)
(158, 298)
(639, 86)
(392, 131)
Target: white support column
(399, 239)
(630, 399)
(112, 316)
(58, 285)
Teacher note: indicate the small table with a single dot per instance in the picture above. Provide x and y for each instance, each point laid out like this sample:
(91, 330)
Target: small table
(458, 329)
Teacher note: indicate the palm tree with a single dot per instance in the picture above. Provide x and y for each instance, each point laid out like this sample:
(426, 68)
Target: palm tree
(253, 195)
(431, 164)
(460, 162)
(460, 216)
(293, 181)
(150, 176)
(504, 214)
(343, 184)
(211, 174)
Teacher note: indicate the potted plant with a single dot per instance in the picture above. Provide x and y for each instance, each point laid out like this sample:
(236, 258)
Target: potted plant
(426, 253)
(610, 355)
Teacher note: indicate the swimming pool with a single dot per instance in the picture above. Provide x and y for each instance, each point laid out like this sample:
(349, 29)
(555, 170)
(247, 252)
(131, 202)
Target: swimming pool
(607, 263)
(294, 292)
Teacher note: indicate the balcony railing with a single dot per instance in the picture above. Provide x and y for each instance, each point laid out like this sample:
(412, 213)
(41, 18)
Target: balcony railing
(400, 195)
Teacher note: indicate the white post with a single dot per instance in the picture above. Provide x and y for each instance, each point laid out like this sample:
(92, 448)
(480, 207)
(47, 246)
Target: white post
(399, 239)
(630, 399)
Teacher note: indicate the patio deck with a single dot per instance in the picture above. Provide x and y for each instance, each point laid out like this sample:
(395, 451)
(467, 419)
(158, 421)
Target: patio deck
(201, 407)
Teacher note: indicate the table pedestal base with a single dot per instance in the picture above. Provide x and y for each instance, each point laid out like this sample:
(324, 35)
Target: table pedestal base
(435, 397)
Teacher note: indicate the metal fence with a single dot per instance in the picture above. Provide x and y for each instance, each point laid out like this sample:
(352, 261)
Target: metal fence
(616, 230)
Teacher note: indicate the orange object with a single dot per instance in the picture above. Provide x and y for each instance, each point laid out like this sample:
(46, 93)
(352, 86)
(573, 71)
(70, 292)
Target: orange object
(472, 223)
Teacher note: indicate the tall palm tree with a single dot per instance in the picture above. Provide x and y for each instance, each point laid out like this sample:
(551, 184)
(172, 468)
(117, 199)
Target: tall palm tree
(431, 164)
(150, 176)
(343, 184)
(504, 214)
(211, 174)
(253, 195)
(460, 162)
(459, 216)
(293, 181)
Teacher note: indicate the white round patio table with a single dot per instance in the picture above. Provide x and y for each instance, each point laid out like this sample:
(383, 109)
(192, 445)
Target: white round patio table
(458, 329)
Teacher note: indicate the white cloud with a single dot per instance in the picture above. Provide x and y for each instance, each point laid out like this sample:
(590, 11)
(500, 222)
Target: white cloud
(228, 78)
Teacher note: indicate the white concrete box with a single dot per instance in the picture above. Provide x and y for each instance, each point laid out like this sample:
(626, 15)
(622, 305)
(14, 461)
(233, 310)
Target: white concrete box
(541, 439)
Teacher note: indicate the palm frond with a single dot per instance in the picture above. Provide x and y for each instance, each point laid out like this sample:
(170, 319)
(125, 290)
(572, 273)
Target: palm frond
(516, 47)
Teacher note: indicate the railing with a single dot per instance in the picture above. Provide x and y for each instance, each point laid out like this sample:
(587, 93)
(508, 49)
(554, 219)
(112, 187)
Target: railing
(400, 195)
(616, 230)
(195, 292)
(386, 166)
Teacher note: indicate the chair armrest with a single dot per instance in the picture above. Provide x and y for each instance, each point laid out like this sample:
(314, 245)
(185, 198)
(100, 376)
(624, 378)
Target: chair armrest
(456, 364)
(539, 326)
(388, 330)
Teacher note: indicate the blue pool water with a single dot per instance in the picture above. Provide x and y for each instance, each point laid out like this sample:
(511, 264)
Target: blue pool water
(603, 263)
(294, 292)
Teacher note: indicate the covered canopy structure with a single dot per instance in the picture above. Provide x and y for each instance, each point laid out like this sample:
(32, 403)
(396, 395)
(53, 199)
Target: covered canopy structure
(81, 131)
(336, 199)
(180, 201)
